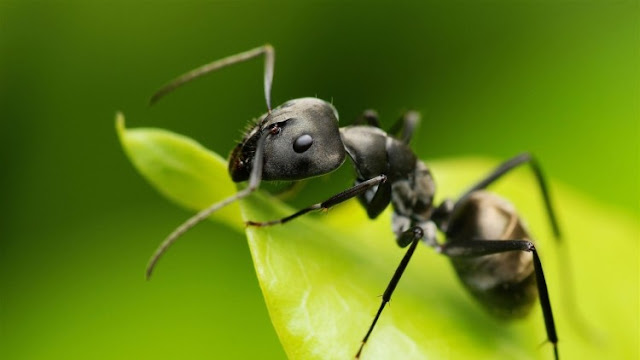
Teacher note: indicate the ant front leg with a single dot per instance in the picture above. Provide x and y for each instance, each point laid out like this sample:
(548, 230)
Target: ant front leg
(476, 248)
(332, 201)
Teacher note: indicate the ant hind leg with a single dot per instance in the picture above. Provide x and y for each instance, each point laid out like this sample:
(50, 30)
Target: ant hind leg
(474, 248)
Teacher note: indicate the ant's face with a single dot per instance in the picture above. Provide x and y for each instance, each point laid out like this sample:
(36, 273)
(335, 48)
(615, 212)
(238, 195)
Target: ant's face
(303, 141)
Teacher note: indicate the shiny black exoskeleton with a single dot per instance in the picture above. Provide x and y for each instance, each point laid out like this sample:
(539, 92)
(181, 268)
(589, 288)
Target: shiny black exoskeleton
(486, 240)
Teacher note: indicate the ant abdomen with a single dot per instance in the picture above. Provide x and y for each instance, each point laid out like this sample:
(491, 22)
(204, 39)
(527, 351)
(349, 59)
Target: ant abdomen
(504, 283)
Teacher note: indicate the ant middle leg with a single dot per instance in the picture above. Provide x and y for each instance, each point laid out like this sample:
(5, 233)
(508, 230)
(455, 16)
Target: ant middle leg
(412, 237)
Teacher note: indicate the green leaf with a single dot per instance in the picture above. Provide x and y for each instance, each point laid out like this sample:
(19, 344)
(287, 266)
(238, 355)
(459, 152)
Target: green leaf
(180, 169)
(321, 274)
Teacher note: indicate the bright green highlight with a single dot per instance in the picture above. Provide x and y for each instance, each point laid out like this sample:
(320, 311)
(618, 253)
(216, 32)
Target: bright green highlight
(320, 275)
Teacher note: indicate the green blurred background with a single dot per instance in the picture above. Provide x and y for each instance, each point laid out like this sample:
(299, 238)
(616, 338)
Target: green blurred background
(560, 79)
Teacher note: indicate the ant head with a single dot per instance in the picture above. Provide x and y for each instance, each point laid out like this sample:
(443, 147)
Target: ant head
(303, 141)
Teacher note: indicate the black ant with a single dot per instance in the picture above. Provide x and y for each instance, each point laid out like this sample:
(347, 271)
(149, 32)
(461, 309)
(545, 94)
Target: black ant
(488, 244)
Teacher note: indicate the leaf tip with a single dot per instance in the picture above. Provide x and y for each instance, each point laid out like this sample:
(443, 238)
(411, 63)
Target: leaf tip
(120, 124)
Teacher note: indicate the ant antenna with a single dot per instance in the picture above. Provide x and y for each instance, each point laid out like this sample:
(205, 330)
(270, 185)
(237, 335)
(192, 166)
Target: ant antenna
(254, 181)
(269, 60)
(256, 172)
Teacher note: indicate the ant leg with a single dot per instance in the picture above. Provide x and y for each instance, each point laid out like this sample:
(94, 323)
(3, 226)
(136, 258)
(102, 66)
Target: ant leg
(368, 117)
(475, 248)
(380, 200)
(334, 200)
(510, 165)
(405, 126)
(505, 167)
(254, 181)
(412, 236)
(269, 59)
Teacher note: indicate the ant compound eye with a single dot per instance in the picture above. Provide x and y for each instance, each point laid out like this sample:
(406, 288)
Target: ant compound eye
(302, 143)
